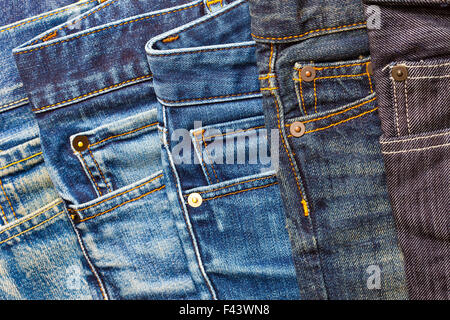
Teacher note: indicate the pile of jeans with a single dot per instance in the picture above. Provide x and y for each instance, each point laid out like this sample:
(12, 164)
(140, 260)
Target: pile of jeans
(225, 149)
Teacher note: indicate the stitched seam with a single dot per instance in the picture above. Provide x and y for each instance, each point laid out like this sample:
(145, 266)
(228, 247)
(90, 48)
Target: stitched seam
(75, 21)
(29, 229)
(340, 122)
(369, 77)
(268, 76)
(268, 88)
(235, 184)
(337, 67)
(234, 132)
(340, 112)
(310, 32)
(201, 157)
(13, 103)
(435, 77)
(90, 173)
(10, 205)
(124, 134)
(431, 66)
(395, 107)
(417, 138)
(170, 39)
(32, 217)
(340, 76)
(204, 50)
(19, 161)
(99, 170)
(406, 103)
(123, 203)
(110, 27)
(117, 195)
(240, 191)
(3, 213)
(211, 98)
(420, 149)
(271, 57)
(93, 92)
(301, 92)
(209, 157)
(315, 96)
(46, 16)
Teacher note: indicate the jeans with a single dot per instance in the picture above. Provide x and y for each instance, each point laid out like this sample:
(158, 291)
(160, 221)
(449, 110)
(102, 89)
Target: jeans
(40, 253)
(95, 105)
(317, 85)
(228, 205)
(412, 70)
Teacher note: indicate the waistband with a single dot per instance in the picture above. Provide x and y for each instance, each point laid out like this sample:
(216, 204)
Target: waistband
(79, 65)
(208, 60)
(296, 20)
(12, 93)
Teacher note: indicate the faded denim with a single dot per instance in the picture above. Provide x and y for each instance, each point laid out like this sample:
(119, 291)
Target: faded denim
(331, 174)
(41, 256)
(205, 78)
(415, 117)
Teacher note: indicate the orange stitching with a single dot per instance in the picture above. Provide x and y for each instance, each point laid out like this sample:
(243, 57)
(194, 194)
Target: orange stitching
(46, 16)
(90, 173)
(19, 161)
(340, 76)
(235, 184)
(170, 39)
(337, 123)
(211, 98)
(264, 89)
(271, 57)
(13, 103)
(93, 92)
(210, 2)
(125, 133)
(117, 195)
(110, 27)
(209, 157)
(32, 217)
(123, 203)
(240, 191)
(201, 155)
(301, 92)
(368, 76)
(234, 132)
(10, 205)
(266, 77)
(315, 96)
(309, 32)
(50, 36)
(99, 170)
(29, 229)
(3, 213)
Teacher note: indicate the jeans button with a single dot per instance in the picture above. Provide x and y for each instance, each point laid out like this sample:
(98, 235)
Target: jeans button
(195, 200)
(297, 129)
(400, 72)
(80, 143)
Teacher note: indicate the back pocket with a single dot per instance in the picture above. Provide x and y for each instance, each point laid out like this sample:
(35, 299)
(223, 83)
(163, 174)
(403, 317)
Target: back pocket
(120, 153)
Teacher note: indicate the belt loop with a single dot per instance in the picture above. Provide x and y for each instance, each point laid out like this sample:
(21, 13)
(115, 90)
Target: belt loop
(213, 5)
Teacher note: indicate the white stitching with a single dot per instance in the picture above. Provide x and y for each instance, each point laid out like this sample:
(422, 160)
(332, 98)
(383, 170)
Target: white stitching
(436, 77)
(421, 149)
(417, 138)
(395, 107)
(431, 66)
(406, 102)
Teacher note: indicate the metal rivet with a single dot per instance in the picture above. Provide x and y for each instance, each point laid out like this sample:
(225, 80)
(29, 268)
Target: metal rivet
(80, 143)
(370, 68)
(297, 129)
(195, 200)
(400, 72)
(308, 74)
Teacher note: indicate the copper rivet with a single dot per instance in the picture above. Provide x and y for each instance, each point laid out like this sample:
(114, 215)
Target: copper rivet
(308, 74)
(400, 72)
(297, 129)
(195, 200)
(80, 143)
(370, 68)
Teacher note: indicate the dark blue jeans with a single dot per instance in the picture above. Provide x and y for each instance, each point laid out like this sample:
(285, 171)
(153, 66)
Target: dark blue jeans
(317, 85)
(410, 45)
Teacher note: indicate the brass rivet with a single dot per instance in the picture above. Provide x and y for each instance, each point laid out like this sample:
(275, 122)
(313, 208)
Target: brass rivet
(80, 143)
(297, 129)
(195, 200)
(400, 72)
(308, 74)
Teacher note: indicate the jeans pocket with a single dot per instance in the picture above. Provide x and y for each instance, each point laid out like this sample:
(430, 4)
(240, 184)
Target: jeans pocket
(120, 153)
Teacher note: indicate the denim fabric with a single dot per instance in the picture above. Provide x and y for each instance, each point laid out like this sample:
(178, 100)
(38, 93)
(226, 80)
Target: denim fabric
(331, 174)
(92, 94)
(205, 78)
(415, 118)
(40, 253)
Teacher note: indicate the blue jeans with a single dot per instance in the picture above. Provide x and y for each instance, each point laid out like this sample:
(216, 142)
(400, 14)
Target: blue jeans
(316, 80)
(96, 110)
(40, 253)
(228, 206)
